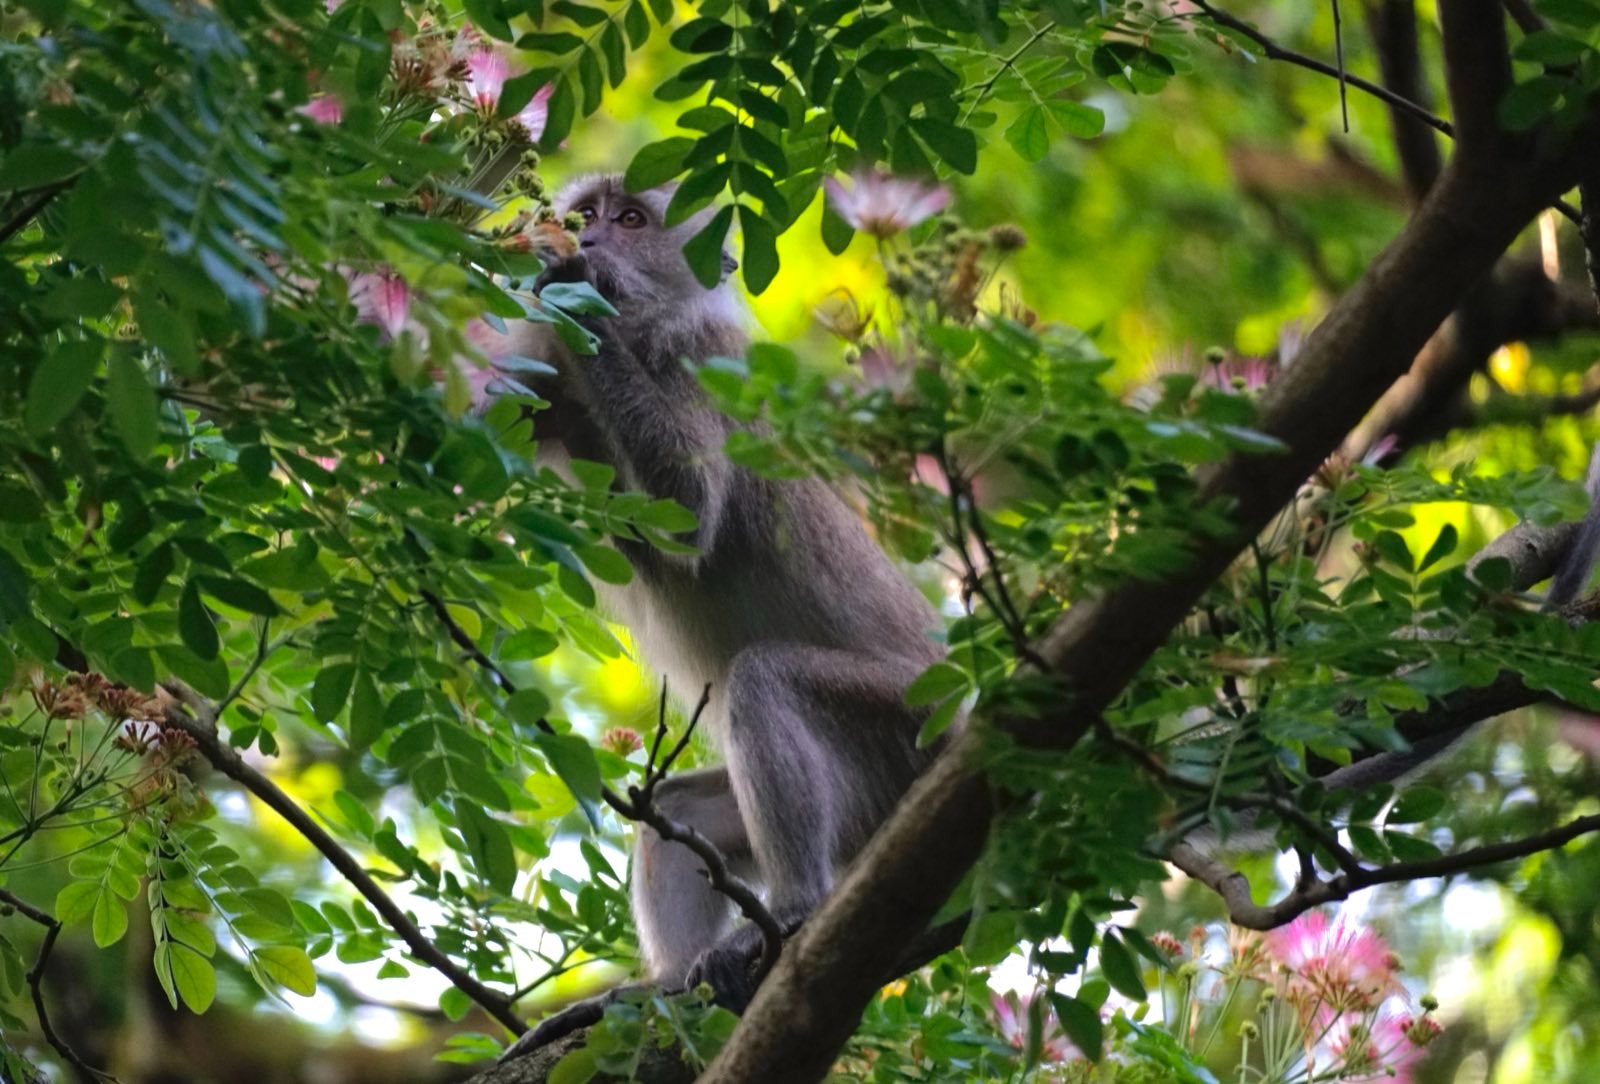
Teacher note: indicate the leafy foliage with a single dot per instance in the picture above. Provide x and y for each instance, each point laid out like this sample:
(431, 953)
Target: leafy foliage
(256, 258)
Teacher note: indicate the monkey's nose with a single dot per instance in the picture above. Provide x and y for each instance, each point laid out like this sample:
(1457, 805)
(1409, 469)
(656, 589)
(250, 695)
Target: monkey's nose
(585, 244)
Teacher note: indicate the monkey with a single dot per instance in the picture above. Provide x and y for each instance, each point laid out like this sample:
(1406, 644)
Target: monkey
(806, 631)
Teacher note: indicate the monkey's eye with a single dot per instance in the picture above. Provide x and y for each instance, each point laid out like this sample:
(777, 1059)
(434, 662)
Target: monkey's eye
(631, 219)
(587, 212)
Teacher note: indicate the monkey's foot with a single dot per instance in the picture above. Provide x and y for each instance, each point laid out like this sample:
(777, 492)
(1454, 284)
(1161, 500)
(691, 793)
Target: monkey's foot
(582, 1014)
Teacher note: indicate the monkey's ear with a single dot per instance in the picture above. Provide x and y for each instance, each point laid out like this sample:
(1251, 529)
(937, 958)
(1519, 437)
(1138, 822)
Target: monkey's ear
(729, 264)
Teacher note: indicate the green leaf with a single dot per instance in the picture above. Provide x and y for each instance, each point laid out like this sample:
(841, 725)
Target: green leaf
(133, 404)
(957, 146)
(331, 689)
(34, 165)
(657, 163)
(1442, 547)
(836, 232)
(486, 15)
(110, 920)
(760, 250)
(573, 760)
(1029, 135)
(288, 966)
(1120, 968)
(489, 845)
(527, 706)
(1081, 1023)
(937, 682)
(1549, 47)
(1078, 120)
(1526, 104)
(366, 713)
(239, 593)
(194, 623)
(704, 249)
(605, 564)
(185, 972)
(76, 901)
(577, 1067)
(60, 382)
(1416, 804)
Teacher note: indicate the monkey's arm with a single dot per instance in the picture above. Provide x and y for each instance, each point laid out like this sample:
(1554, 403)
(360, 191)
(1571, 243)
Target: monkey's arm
(660, 431)
(664, 438)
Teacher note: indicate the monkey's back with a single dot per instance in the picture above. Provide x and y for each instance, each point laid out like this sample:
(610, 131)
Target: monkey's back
(791, 563)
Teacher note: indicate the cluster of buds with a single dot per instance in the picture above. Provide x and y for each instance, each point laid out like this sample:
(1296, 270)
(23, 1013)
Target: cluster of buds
(950, 270)
(621, 740)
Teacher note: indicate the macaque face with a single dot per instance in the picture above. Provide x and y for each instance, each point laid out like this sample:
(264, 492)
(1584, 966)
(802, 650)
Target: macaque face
(634, 254)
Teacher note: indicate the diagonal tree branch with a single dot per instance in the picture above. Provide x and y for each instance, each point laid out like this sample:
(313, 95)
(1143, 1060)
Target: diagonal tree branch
(1477, 70)
(811, 1002)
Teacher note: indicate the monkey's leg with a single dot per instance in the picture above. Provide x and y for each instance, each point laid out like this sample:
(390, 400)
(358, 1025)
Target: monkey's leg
(820, 746)
(676, 911)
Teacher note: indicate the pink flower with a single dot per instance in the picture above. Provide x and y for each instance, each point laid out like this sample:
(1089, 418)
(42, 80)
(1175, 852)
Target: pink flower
(1011, 1020)
(1382, 1049)
(532, 117)
(493, 345)
(883, 205)
(324, 109)
(382, 298)
(487, 71)
(1239, 374)
(1335, 964)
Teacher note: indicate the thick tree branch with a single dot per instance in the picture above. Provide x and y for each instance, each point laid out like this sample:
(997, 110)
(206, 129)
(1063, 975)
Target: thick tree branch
(811, 1002)
(1477, 71)
(1517, 303)
(1393, 25)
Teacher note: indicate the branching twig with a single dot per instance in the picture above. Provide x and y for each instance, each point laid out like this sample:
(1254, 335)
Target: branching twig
(35, 979)
(639, 805)
(1273, 51)
(642, 808)
(1234, 887)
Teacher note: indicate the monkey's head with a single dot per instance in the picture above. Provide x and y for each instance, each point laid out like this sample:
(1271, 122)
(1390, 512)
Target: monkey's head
(636, 257)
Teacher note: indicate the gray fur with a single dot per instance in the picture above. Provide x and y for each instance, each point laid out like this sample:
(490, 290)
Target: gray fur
(806, 631)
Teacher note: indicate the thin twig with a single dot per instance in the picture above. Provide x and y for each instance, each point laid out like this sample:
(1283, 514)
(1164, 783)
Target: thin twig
(639, 805)
(643, 808)
(35, 979)
(1338, 59)
(227, 760)
(19, 221)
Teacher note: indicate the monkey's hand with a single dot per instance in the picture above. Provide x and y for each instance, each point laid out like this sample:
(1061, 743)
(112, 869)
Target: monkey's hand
(574, 268)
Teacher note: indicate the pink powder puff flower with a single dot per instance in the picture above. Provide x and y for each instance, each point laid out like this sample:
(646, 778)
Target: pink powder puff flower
(324, 109)
(882, 204)
(1239, 374)
(1381, 1049)
(493, 345)
(382, 298)
(1340, 967)
(532, 117)
(487, 72)
(1011, 1021)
